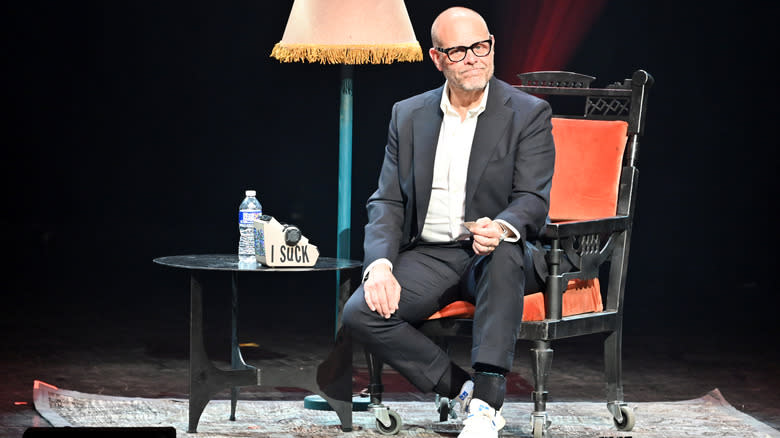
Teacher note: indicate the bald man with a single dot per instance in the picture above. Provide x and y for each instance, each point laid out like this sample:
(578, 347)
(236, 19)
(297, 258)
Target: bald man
(463, 192)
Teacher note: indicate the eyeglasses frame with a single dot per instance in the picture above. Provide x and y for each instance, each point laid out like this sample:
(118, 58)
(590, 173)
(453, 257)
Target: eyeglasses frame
(466, 49)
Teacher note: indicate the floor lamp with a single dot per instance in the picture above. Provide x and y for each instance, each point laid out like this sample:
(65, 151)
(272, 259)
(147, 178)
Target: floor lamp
(347, 32)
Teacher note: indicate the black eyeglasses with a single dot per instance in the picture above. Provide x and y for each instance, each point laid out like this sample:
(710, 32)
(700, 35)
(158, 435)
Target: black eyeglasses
(458, 53)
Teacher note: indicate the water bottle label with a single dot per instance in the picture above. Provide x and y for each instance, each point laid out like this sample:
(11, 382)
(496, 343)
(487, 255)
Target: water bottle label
(247, 217)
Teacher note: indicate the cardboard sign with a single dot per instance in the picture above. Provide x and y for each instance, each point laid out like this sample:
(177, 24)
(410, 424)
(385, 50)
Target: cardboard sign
(272, 250)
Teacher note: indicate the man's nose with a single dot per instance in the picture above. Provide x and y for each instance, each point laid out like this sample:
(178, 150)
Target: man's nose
(471, 58)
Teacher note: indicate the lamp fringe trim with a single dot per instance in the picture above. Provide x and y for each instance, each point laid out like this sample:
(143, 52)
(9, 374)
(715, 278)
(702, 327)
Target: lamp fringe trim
(348, 53)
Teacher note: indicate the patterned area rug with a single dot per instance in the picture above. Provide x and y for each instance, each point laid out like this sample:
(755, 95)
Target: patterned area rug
(707, 416)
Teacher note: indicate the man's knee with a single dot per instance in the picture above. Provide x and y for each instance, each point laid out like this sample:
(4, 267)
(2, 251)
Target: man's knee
(358, 317)
(511, 261)
(507, 258)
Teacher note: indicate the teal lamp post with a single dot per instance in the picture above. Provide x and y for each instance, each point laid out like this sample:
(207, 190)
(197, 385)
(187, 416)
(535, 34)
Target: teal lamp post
(347, 32)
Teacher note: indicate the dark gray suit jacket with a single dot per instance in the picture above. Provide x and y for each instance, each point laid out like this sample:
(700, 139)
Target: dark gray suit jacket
(509, 174)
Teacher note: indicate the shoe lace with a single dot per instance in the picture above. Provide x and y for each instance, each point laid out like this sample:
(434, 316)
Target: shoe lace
(477, 421)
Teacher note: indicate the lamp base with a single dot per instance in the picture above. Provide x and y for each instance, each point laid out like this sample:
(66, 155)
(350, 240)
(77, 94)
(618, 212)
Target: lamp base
(317, 403)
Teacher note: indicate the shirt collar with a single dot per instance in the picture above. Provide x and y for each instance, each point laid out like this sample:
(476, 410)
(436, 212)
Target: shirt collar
(446, 106)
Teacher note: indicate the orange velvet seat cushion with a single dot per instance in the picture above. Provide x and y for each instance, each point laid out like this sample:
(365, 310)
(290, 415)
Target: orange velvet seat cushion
(588, 157)
(581, 296)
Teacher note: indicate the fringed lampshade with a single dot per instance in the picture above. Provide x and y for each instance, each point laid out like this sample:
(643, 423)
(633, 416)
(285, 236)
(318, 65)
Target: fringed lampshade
(348, 32)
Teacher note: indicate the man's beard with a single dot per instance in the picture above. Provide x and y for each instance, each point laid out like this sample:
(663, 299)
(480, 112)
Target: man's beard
(469, 84)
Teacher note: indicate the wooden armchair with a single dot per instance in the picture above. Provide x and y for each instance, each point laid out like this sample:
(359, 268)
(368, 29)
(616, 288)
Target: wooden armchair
(592, 205)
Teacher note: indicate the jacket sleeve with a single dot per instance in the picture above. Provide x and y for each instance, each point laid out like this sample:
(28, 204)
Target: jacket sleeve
(384, 230)
(529, 201)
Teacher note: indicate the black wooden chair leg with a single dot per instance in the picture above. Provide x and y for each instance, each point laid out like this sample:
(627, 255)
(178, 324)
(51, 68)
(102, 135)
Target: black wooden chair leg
(613, 367)
(541, 363)
(622, 414)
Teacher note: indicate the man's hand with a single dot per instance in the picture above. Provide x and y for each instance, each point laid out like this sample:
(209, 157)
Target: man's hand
(486, 234)
(381, 291)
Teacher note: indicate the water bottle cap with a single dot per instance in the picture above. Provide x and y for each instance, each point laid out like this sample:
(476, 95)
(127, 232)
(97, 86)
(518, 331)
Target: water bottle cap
(251, 193)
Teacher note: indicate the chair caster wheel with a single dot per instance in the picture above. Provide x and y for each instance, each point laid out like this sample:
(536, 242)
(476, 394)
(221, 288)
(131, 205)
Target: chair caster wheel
(628, 419)
(539, 425)
(391, 425)
(443, 408)
(538, 428)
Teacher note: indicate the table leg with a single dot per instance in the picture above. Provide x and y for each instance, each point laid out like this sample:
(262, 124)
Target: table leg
(205, 379)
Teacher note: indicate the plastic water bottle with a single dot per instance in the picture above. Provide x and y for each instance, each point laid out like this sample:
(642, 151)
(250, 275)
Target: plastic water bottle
(249, 210)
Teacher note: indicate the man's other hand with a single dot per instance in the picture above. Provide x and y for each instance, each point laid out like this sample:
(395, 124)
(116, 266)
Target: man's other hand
(382, 291)
(486, 235)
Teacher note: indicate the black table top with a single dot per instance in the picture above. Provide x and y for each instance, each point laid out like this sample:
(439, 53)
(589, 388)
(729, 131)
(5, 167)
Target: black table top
(229, 262)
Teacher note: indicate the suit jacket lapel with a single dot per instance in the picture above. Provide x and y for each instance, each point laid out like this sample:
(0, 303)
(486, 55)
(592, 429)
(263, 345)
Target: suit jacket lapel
(426, 126)
(490, 128)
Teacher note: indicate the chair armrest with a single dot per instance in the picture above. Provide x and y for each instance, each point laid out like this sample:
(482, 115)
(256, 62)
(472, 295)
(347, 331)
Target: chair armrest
(611, 224)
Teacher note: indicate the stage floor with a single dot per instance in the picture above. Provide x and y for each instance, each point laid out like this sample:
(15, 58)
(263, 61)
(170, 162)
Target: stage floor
(133, 354)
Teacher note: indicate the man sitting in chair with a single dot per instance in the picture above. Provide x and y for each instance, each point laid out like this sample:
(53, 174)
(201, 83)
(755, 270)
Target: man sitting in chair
(463, 190)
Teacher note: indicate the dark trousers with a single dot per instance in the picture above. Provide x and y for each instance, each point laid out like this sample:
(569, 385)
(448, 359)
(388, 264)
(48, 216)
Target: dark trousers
(432, 276)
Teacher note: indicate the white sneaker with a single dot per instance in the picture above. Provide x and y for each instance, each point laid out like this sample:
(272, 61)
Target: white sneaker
(464, 396)
(482, 421)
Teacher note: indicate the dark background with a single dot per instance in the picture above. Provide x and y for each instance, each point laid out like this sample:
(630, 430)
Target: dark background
(132, 129)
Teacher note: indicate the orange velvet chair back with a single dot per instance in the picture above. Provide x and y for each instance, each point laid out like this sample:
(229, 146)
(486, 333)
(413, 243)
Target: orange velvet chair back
(588, 158)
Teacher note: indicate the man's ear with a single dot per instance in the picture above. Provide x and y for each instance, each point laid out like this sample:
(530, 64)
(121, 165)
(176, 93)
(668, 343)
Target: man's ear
(434, 54)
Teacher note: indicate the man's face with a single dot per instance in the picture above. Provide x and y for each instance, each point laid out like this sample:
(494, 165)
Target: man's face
(473, 72)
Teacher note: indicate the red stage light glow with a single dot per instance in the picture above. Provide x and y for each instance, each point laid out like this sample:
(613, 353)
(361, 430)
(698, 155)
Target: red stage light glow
(543, 34)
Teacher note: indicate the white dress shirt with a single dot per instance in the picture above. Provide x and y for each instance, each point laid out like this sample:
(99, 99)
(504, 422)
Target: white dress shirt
(447, 207)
